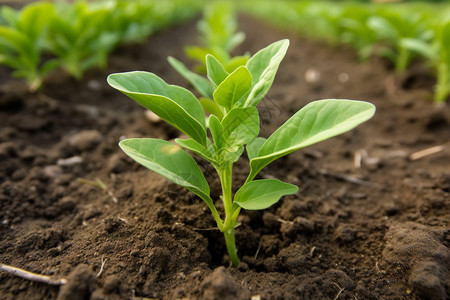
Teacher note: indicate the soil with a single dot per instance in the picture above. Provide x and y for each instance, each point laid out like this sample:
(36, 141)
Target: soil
(369, 221)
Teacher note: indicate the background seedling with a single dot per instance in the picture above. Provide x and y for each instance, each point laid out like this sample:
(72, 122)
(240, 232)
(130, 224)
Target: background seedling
(79, 35)
(233, 128)
(22, 36)
(218, 37)
(403, 33)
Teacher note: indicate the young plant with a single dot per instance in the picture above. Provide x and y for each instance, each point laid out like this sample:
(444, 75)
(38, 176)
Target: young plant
(21, 41)
(79, 36)
(218, 37)
(392, 28)
(438, 56)
(233, 127)
(442, 64)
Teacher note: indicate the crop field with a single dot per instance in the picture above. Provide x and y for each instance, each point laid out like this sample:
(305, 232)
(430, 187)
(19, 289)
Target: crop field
(190, 149)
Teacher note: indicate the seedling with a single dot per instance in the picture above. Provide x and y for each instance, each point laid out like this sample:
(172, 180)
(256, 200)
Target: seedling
(79, 36)
(21, 42)
(233, 126)
(438, 55)
(218, 37)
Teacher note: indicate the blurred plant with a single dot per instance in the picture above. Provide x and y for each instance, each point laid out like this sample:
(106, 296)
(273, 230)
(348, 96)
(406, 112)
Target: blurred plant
(218, 37)
(80, 37)
(438, 55)
(392, 28)
(400, 32)
(22, 36)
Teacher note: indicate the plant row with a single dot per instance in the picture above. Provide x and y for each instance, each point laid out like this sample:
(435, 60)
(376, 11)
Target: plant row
(78, 36)
(402, 33)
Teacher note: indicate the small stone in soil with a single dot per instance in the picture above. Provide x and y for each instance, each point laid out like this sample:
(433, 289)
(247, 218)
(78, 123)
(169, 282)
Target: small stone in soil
(221, 286)
(86, 140)
(81, 282)
(113, 224)
(111, 284)
(426, 282)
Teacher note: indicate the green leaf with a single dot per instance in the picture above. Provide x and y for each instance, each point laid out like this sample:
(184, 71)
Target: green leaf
(233, 88)
(211, 107)
(240, 126)
(315, 122)
(175, 105)
(254, 146)
(196, 53)
(169, 161)
(419, 46)
(261, 194)
(14, 39)
(197, 148)
(217, 133)
(231, 155)
(383, 28)
(236, 62)
(34, 18)
(235, 40)
(202, 85)
(263, 66)
(215, 71)
(9, 15)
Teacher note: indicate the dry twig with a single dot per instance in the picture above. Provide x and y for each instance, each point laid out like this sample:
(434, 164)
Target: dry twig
(340, 290)
(32, 276)
(426, 152)
(348, 178)
(101, 267)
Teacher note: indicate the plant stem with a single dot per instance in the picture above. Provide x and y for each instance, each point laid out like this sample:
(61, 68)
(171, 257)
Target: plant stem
(231, 246)
(225, 175)
(443, 83)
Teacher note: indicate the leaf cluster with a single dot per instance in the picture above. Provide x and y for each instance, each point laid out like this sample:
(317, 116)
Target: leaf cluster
(233, 127)
(218, 36)
(402, 33)
(77, 36)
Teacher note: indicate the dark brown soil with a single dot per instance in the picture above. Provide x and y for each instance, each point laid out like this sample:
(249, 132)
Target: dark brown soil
(375, 229)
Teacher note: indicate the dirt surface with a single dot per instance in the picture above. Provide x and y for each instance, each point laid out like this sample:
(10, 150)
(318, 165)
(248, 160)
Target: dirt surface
(368, 222)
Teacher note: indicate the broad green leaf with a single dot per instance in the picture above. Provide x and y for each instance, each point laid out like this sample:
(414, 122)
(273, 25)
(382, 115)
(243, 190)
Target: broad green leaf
(215, 71)
(254, 146)
(317, 121)
(34, 17)
(13, 39)
(175, 105)
(263, 66)
(9, 16)
(240, 126)
(216, 131)
(233, 88)
(202, 85)
(197, 148)
(169, 161)
(261, 194)
(211, 107)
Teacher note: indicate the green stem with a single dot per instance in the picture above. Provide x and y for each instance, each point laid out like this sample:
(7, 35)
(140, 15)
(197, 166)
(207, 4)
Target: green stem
(225, 175)
(443, 83)
(231, 246)
(402, 60)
